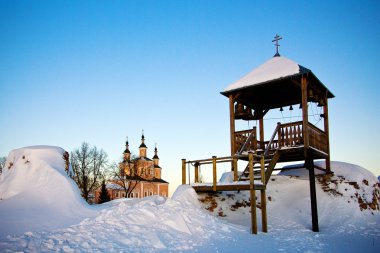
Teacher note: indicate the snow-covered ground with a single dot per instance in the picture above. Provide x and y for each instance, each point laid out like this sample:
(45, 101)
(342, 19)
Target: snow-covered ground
(347, 203)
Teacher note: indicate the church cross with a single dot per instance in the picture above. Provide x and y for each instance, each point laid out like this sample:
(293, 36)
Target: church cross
(276, 39)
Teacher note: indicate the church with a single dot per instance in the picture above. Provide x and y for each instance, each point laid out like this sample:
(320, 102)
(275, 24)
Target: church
(138, 177)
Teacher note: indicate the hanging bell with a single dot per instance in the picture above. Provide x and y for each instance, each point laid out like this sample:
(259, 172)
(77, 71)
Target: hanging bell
(310, 94)
(248, 113)
(239, 111)
(291, 108)
(321, 102)
(281, 110)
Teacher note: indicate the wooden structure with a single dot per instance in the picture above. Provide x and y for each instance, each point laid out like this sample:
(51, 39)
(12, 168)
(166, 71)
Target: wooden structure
(277, 83)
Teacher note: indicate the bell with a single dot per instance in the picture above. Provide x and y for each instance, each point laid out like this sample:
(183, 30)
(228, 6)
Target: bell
(248, 114)
(291, 108)
(321, 102)
(310, 94)
(239, 111)
(281, 110)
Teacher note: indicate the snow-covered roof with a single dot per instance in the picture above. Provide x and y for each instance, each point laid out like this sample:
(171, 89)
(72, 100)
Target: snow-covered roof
(113, 186)
(273, 69)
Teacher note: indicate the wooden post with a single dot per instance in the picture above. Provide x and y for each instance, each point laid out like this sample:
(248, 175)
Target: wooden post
(196, 167)
(262, 165)
(313, 196)
(183, 171)
(326, 128)
(252, 193)
(214, 173)
(235, 168)
(261, 125)
(279, 135)
(305, 120)
(232, 124)
(264, 211)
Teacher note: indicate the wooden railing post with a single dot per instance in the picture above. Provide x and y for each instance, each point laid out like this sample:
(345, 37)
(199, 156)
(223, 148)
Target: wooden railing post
(196, 167)
(262, 163)
(214, 173)
(183, 171)
(252, 193)
(279, 135)
(235, 168)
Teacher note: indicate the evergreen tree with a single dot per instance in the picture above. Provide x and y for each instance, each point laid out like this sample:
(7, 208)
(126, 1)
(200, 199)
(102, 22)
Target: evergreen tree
(104, 196)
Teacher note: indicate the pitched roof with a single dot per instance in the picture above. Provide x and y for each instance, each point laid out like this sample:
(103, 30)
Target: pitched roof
(274, 69)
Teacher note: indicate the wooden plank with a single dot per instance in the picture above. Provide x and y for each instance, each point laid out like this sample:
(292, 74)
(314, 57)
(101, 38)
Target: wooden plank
(214, 173)
(264, 211)
(262, 169)
(183, 171)
(271, 166)
(232, 124)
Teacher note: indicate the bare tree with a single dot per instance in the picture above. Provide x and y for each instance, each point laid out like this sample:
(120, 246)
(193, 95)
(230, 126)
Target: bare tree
(2, 163)
(125, 177)
(87, 163)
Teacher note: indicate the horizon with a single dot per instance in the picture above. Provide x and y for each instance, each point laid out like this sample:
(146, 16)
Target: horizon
(98, 72)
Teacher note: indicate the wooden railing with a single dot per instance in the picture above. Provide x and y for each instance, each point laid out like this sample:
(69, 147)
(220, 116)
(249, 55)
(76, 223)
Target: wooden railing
(215, 160)
(245, 140)
(317, 138)
(288, 135)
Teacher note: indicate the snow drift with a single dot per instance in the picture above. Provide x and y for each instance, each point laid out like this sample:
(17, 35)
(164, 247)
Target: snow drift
(36, 193)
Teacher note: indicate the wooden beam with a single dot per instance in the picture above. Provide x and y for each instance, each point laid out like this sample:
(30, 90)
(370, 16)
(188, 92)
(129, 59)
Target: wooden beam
(261, 125)
(183, 171)
(305, 120)
(326, 129)
(252, 194)
(232, 124)
(313, 195)
(214, 173)
(235, 168)
(196, 172)
(271, 166)
(264, 211)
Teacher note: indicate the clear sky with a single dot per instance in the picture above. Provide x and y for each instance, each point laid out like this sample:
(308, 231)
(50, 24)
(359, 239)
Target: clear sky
(98, 71)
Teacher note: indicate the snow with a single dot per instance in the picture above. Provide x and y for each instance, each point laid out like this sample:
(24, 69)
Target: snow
(274, 68)
(182, 223)
(36, 193)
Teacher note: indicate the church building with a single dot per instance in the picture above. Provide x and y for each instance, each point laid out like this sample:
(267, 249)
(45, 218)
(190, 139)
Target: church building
(138, 177)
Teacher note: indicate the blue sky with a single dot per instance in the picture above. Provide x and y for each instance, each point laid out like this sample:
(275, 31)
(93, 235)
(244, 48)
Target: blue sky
(98, 71)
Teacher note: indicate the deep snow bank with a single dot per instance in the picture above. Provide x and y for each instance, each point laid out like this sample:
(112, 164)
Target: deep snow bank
(36, 193)
(151, 224)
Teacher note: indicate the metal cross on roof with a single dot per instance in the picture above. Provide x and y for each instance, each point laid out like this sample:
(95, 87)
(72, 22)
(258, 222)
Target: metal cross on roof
(276, 39)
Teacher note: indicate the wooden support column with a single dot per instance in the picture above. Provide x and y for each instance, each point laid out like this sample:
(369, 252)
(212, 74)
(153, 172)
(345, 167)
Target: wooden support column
(183, 171)
(235, 168)
(305, 120)
(214, 173)
(313, 195)
(261, 125)
(252, 194)
(196, 172)
(264, 211)
(326, 129)
(232, 124)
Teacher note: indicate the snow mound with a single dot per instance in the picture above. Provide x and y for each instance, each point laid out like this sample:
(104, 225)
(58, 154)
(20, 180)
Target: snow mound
(36, 193)
(186, 194)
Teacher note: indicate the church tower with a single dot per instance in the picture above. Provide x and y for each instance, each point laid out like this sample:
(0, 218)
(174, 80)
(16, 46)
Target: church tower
(143, 147)
(127, 153)
(157, 168)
